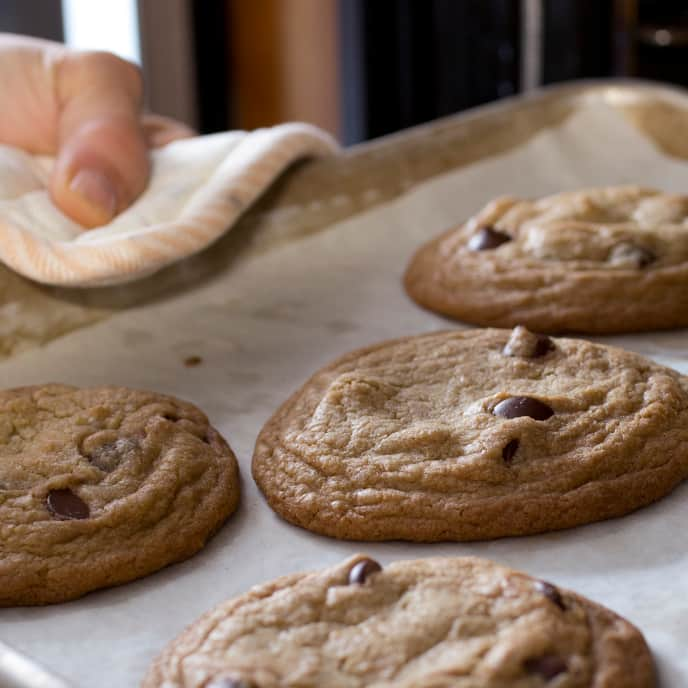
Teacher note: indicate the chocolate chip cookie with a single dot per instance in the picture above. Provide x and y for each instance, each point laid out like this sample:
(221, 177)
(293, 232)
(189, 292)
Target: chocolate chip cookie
(597, 261)
(474, 434)
(100, 486)
(445, 623)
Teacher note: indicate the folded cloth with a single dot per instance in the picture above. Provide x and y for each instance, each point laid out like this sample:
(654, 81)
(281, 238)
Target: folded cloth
(198, 189)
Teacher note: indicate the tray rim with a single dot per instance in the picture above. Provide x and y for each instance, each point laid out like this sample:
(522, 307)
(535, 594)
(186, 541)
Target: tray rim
(614, 91)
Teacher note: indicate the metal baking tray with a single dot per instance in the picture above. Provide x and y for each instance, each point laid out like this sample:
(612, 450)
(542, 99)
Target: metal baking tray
(315, 194)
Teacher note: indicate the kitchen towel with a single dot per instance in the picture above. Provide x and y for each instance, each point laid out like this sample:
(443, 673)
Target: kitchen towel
(197, 190)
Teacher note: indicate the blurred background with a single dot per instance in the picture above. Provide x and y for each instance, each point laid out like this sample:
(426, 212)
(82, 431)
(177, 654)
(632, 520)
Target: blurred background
(360, 68)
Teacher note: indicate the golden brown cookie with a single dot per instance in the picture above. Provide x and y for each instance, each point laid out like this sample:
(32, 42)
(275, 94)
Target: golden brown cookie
(430, 623)
(100, 486)
(597, 261)
(474, 434)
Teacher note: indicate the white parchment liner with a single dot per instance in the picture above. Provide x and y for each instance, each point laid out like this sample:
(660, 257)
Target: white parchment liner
(263, 326)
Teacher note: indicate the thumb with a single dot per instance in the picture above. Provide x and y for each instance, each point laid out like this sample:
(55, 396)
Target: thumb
(102, 160)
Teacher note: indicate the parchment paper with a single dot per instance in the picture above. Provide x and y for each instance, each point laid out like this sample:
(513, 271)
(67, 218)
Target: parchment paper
(266, 324)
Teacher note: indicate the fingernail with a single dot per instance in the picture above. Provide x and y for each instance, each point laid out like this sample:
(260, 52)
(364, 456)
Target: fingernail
(97, 190)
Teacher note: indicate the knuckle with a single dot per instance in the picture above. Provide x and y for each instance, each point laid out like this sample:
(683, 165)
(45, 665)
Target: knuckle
(108, 65)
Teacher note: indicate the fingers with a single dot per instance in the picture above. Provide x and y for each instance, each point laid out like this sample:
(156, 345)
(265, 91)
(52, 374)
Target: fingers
(102, 162)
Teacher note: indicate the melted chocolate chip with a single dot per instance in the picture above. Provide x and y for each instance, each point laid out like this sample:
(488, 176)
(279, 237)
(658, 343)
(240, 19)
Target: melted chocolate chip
(509, 451)
(487, 238)
(515, 407)
(629, 254)
(105, 457)
(645, 257)
(108, 456)
(551, 593)
(66, 505)
(547, 666)
(361, 570)
(543, 345)
(526, 344)
(191, 361)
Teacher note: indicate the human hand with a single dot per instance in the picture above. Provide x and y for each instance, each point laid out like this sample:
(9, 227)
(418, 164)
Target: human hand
(84, 108)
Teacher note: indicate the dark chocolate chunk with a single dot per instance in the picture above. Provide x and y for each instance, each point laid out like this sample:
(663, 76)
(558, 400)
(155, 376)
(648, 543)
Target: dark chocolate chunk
(66, 505)
(515, 407)
(631, 255)
(509, 451)
(362, 569)
(526, 344)
(551, 593)
(108, 456)
(547, 666)
(487, 238)
(543, 345)
(645, 257)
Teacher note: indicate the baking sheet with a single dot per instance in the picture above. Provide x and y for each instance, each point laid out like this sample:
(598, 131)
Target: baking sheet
(263, 326)
(315, 195)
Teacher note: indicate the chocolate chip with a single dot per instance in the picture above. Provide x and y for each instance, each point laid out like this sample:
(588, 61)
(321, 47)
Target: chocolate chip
(544, 344)
(527, 344)
(509, 451)
(628, 254)
(66, 505)
(547, 666)
(551, 593)
(361, 570)
(487, 238)
(108, 456)
(191, 361)
(645, 257)
(515, 407)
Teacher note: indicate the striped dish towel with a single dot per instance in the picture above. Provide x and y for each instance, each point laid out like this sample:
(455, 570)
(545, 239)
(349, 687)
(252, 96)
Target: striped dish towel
(198, 189)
